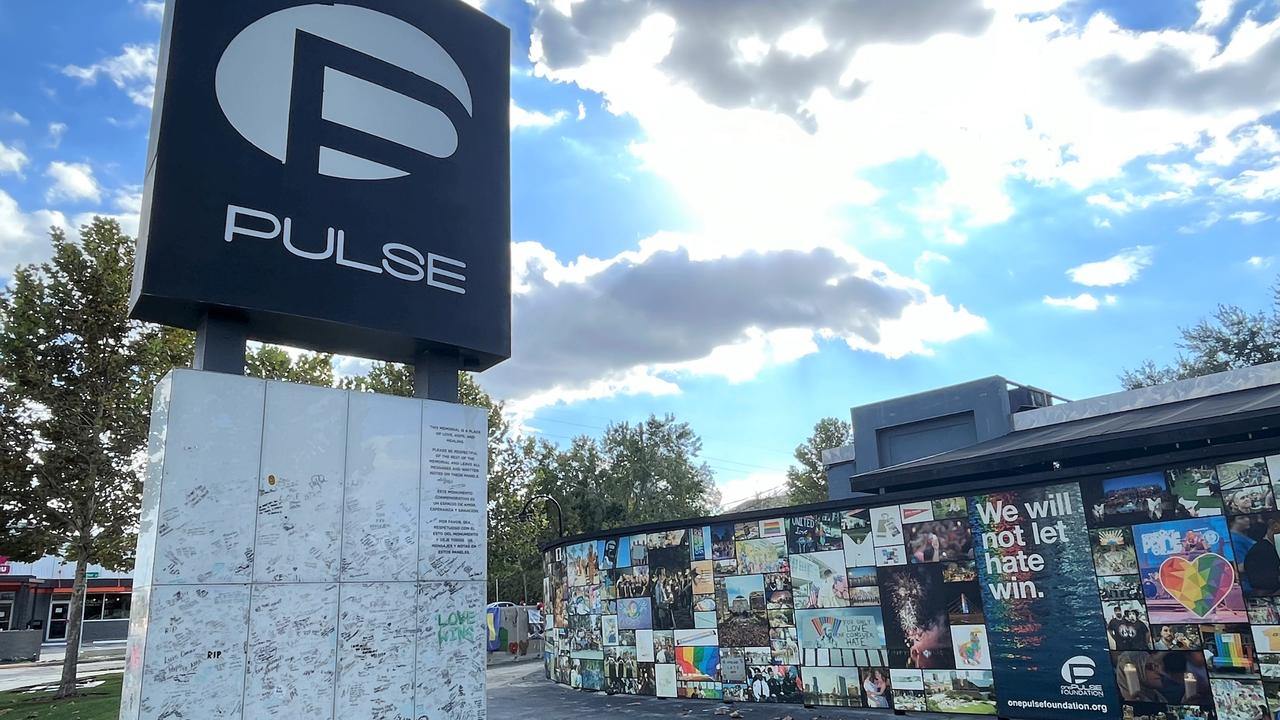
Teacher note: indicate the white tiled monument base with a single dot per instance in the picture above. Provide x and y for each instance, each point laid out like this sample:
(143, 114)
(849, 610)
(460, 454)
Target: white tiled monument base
(308, 553)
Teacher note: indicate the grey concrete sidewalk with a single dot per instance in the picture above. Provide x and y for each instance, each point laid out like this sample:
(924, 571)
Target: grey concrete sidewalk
(520, 692)
(13, 677)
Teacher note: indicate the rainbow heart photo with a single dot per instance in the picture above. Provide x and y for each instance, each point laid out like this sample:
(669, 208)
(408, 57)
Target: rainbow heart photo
(1199, 585)
(1189, 571)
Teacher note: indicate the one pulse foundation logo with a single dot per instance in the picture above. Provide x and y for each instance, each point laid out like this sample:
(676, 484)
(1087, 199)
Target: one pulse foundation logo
(1077, 672)
(255, 86)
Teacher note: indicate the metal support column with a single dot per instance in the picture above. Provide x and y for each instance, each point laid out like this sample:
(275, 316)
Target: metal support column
(220, 343)
(435, 376)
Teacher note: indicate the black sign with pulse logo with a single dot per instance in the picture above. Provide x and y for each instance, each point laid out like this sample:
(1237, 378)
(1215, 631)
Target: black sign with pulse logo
(334, 175)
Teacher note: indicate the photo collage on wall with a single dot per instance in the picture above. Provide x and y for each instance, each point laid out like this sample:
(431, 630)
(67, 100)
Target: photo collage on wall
(1189, 581)
(918, 606)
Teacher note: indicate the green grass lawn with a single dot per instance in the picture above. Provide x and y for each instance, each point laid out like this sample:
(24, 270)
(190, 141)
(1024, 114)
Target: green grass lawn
(99, 703)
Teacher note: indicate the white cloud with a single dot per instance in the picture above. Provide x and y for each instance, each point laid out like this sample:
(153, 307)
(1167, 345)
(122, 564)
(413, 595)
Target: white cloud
(1201, 225)
(1119, 269)
(1114, 204)
(15, 117)
(521, 118)
(128, 205)
(24, 236)
(640, 321)
(1249, 217)
(1254, 185)
(72, 182)
(1246, 143)
(133, 71)
(1259, 262)
(56, 131)
(804, 41)
(1083, 301)
(929, 256)
(1102, 222)
(12, 160)
(752, 49)
(770, 151)
(750, 485)
(1214, 12)
(991, 95)
(582, 111)
(153, 9)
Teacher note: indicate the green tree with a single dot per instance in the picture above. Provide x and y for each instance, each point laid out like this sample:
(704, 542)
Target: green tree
(386, 378)
(1232, 338)
(635, 473)
(176, 347)
(807, 482)
(76, 397)
(273, 363)
(514, 557)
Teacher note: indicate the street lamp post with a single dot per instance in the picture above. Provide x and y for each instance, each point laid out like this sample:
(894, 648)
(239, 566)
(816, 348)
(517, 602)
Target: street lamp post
(527, 512)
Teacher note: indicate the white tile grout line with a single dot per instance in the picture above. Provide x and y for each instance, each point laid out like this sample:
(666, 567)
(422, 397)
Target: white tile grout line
(257, 504)
(342, 530)
(417, 568)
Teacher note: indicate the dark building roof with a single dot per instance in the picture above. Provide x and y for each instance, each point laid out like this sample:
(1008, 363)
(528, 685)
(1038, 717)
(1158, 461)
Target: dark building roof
(1107, 439)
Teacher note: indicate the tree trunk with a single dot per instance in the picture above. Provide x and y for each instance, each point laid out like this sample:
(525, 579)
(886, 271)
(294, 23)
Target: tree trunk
(75, 615)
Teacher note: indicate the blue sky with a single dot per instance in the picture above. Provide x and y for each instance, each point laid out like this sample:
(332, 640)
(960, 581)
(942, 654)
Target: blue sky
(756, 214)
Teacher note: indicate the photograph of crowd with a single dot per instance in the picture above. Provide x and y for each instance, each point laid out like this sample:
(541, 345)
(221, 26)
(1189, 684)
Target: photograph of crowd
(1243, 473)
(887, 606)
(742, 616)
(938, 540)
(672, 593)
(1249, 499)
(1130, 500)
(722, 542)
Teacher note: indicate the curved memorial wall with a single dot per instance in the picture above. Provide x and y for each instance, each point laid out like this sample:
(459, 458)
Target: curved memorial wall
(1146, 595)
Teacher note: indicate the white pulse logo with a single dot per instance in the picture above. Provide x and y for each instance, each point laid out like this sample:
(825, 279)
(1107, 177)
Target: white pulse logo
(255, 86)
